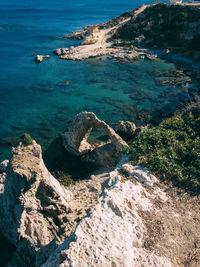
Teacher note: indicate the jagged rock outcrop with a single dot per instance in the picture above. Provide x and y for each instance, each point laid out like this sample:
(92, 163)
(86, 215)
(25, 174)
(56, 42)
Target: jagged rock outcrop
(124, 218)
(135, 223)
(33, 205)
(78, 131)
(92, 35)
(78, 35)
(114, 233)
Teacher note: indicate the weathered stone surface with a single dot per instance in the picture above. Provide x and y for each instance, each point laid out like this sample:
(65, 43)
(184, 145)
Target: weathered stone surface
(113, 233)
(3, 165)
(122, 218)
(40, 58)
(92, 35)
(136, 222)
(33, 204)
(78, 35)
(75, 139)
(126, 129)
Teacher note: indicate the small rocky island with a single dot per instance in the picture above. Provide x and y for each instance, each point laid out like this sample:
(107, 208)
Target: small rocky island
(122, 214)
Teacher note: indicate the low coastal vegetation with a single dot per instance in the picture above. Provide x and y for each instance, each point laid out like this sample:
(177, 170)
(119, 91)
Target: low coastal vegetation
(172, 149)
(165, 26)
(63, 177)
(26, 139)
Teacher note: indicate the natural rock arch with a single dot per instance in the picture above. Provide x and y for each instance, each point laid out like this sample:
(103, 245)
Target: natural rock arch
(77, 133)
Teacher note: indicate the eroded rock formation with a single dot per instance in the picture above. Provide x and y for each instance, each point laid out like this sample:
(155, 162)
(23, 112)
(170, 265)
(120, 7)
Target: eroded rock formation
(126, 129)
(122, 218)
(33, 204)
(136, 222)
(78, 131)
(114, 233)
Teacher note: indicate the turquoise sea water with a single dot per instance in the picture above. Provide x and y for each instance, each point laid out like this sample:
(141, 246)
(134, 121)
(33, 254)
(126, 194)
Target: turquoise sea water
(33, 97)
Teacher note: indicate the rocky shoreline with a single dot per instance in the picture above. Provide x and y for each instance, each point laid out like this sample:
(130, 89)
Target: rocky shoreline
(106, 39)
(97, 41)
(111, 219)
(122, 215)
(100, 41)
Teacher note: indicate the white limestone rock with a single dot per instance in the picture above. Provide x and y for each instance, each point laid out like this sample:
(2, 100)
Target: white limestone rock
(77, 133)
(113, 233)
(40, 58)
(126, 129)
(33, 204)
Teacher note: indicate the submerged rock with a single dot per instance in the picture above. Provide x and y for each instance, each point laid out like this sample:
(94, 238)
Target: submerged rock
(78, 131)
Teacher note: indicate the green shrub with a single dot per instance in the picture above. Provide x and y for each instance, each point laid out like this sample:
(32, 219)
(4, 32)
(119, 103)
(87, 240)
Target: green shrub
(63, 177)
(26, 139)
(172, 149)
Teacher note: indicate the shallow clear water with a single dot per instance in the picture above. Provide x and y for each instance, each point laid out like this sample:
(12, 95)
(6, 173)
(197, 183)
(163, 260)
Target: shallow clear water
(33, 97)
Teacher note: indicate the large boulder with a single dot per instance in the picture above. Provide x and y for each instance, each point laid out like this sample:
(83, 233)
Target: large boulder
(126, 129)
(33, 205)
(76, 136)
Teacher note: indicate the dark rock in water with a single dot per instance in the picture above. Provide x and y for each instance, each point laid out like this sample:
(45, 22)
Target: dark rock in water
(144, 115)
(173, 77)
(139, 95)
(47, 89)
(128, 110)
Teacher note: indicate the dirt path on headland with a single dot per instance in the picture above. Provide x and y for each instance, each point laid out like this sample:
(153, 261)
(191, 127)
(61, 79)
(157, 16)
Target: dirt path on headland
(101, 47)
(99, 43)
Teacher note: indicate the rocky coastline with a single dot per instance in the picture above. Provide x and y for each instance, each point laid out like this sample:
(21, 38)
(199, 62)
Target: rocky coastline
(97, 41)
(124, 38)
(108, 40)
(121, 215)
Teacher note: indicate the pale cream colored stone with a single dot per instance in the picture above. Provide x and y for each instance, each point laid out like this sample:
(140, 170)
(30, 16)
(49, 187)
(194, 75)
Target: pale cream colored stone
(33, 204)
(113, 233)
(77, 133)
